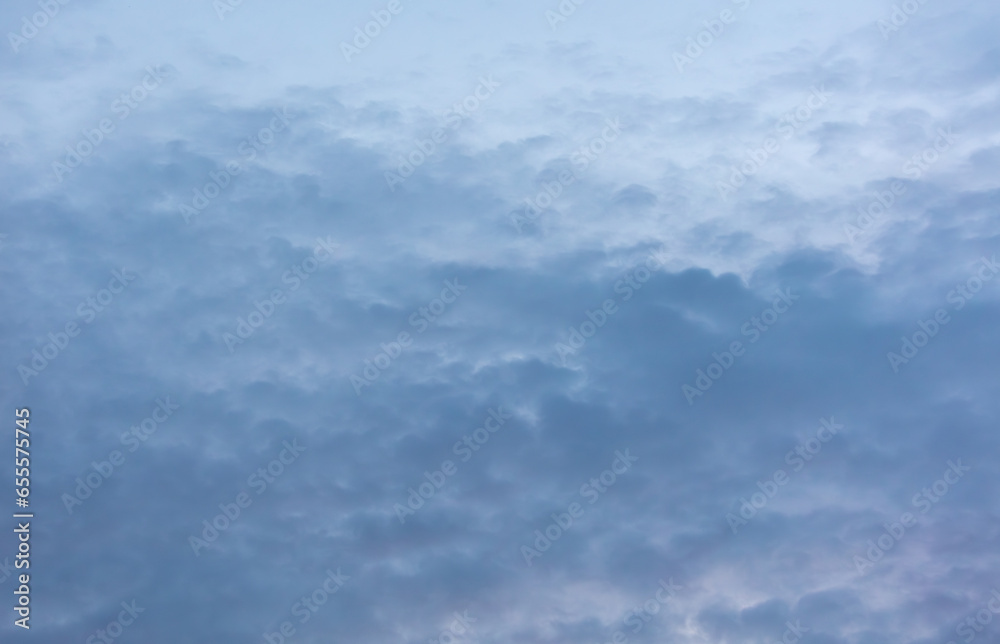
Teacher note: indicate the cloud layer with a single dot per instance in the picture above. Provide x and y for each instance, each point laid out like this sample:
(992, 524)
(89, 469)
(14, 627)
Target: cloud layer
(521, 322)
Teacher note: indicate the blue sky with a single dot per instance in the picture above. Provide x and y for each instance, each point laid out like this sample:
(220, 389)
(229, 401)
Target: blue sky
(396, 322)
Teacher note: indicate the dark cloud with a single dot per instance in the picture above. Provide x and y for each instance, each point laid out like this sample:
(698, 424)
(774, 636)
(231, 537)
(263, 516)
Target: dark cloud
(498, 349)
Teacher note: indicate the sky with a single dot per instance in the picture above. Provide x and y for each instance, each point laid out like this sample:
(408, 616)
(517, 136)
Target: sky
(396, 322)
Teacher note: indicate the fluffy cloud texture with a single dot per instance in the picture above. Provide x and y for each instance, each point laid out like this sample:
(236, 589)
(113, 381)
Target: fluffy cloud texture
(504, 322)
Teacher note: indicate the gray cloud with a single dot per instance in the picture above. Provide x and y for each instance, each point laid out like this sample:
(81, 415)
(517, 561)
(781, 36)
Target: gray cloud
(495, 347)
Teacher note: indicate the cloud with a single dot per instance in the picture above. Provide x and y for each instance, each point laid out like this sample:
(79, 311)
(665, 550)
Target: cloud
(651, 191)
